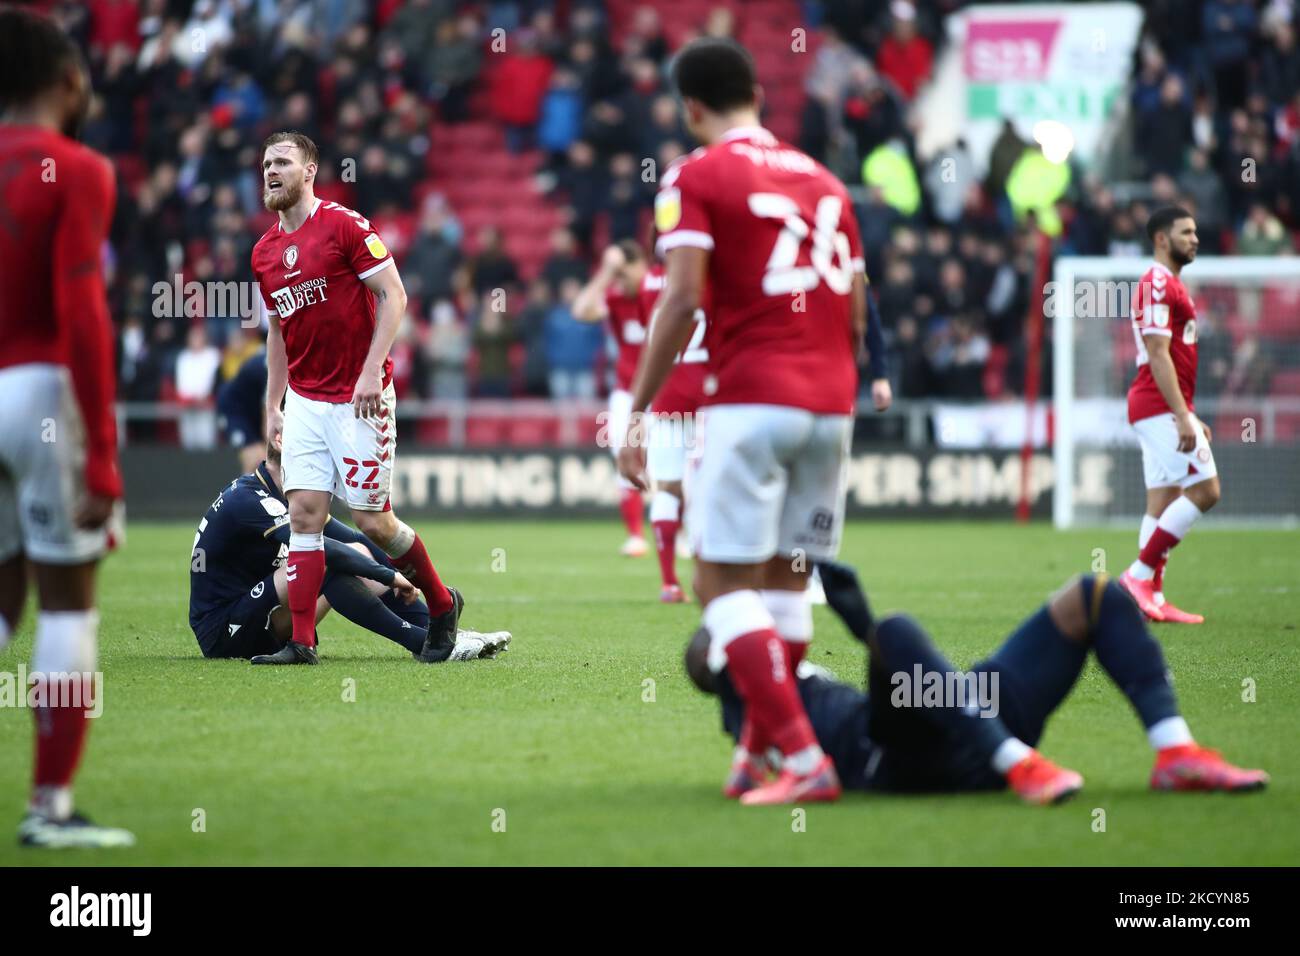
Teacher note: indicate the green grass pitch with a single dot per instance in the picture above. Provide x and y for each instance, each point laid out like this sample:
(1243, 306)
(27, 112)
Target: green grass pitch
(557, 740)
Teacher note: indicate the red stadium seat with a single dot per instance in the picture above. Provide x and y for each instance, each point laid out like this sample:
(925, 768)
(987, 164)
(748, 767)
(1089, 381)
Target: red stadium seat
(486, 432)
(1285, 383)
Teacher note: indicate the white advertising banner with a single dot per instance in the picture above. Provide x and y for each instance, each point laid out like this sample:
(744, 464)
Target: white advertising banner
(1063, 62)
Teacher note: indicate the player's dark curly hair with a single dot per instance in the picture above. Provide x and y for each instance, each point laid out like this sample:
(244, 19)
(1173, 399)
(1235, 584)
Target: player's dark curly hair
(717, 72)
(34, 53)
(1163, 219)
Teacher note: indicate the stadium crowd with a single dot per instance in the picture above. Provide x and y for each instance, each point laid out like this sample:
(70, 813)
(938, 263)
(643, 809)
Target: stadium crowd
(567, 104)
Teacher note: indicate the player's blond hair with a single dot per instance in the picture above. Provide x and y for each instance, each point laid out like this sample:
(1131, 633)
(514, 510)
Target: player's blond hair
(310, 154)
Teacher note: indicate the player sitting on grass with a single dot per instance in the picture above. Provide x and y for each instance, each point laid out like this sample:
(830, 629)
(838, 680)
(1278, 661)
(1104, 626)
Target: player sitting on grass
(238, 585)
(882, 740)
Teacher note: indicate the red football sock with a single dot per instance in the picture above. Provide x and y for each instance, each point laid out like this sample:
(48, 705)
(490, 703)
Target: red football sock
(61, 730)
(416, 564)
(629, 503)
(759, 667)
(305, 571)
(1158, 581)
(751, 739)
(1157, 547)
(796, 651)
(666, 546)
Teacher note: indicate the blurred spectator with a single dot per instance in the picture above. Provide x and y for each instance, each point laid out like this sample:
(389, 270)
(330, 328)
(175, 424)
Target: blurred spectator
(571, 348)
(493, 337)
(827, 83)
(960, 352)
(564, 261)
(1167, 129)
(1007, 149)
(447, 349)
(432, 260)
(518, 84)
(561, 112)
(871, 115)
(454, 65)
(1279, 68)
(531, 330)
(948, 178)
(1262, 234)
(196, 378)
(905, 57)
(1200, 183)
(491, 268)
(889, 169)
(113, 23)
(645, 37)
(585, 187)
(241, 345)
(1227, 27)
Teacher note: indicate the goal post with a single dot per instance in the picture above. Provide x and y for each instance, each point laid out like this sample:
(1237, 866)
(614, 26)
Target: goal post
(1248, 386)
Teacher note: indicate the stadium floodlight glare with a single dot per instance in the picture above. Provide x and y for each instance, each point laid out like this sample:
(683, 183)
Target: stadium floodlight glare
(1055, 138)
(1247, 315)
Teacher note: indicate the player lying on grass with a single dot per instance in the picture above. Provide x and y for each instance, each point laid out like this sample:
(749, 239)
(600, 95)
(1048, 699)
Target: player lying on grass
(239, 586)
(882, 740)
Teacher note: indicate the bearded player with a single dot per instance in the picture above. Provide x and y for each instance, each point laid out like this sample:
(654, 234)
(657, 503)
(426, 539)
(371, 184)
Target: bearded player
(772, 234)
(612, 296)
(335, 301)
(58, 444)
(1181, 478)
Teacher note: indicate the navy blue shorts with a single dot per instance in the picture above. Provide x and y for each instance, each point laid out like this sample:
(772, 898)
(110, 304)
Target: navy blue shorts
(240, 431)
(243, 629)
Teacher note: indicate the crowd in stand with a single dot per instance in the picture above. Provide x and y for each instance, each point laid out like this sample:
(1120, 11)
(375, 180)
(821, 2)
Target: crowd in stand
(188, 88)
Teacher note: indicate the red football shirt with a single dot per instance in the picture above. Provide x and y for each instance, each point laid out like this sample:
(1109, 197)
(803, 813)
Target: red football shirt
(312, 279)
(628, 329)
(683, 392)
(1162, 306)
(784, 247)
(56, 206)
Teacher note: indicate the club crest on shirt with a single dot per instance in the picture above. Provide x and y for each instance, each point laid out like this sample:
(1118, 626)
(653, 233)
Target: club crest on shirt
(290, 256)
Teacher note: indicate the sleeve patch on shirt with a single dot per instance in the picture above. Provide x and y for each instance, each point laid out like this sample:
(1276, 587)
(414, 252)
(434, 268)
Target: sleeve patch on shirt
(1160, 315)
(376, 246)
(668, 209)
(273, 507)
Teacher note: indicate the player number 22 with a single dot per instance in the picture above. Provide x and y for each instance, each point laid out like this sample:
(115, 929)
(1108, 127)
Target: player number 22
(830, 256)
(366, 484)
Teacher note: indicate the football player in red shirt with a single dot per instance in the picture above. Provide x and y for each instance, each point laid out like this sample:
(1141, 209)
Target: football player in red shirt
(335, 301)
(1181, 478)
(59, 478)
(671, 434)
(611, 295)
(773, 236)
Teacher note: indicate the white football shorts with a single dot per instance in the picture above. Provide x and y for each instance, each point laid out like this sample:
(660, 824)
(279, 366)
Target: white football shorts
(42, 469)
(1163, 465)
(325, 440)
(669, 440)
(764, 480)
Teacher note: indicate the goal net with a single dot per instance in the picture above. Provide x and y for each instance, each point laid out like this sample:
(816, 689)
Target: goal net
(1247, 388)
